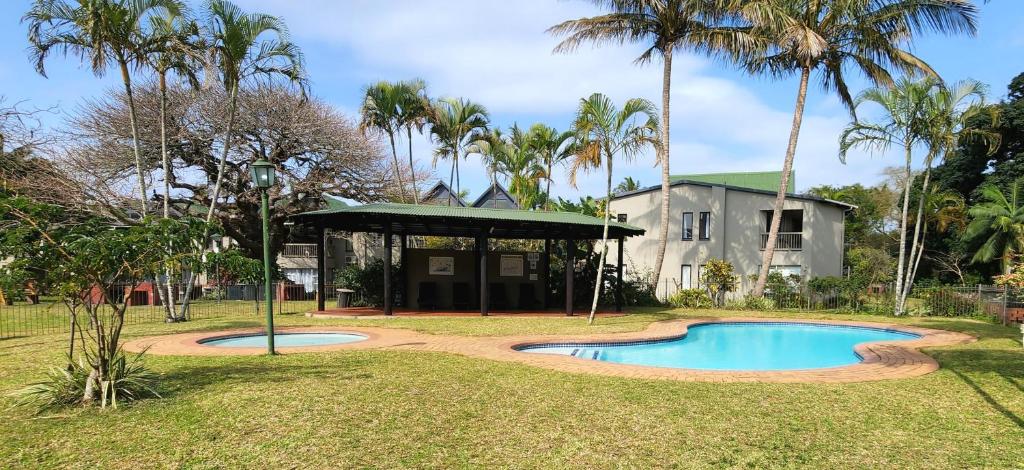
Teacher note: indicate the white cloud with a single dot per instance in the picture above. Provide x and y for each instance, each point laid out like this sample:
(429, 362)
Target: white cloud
(501, 57)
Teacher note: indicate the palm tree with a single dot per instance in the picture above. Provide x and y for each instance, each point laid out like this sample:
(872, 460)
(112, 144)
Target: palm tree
(828, 36)
(380, 113)
(454, 122)
(552, 148)
(903, 124)
(490, 146)
(413, 111)
(522, 166)
(172, 45)
(239, 51)
(603, 133)
(947, 114)
(945, 209)
(999, 221)
(664, 27)
(628, 184)
(102, 31)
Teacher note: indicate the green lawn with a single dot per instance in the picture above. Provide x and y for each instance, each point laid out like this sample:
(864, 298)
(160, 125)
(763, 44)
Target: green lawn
(417, 409)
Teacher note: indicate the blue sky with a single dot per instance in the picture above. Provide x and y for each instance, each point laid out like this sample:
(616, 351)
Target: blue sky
(499, 55)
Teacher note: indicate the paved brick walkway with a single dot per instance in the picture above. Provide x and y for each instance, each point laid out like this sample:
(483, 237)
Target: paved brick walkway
(882, 360)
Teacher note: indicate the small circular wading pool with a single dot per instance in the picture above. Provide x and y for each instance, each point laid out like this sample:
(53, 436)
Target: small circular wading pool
(282, 340)
(737, 346)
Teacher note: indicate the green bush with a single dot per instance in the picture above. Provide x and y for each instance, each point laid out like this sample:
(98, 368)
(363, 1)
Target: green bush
(690, 298)
(368, 282)
(753, 303)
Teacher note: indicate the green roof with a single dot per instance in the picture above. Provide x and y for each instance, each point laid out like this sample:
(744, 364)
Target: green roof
(453, 216)
(334, 202)
(760, 180)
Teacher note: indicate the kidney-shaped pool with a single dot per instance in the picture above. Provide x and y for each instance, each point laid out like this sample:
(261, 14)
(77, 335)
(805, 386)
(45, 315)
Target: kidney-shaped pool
(748, 346)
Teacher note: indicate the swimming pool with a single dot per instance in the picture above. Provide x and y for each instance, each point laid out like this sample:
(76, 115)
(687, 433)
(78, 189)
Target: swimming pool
(748, 346)
(283, 340)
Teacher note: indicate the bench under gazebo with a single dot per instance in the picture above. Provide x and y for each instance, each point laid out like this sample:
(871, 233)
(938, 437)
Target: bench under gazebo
(422, 267)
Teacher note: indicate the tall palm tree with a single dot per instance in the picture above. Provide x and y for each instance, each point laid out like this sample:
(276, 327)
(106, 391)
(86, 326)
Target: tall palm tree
(172, 46)
(664, 27)
(491, 147)
(100, 31)
(902, 124)
(522, 167)
(380, 113)
(944, 209)
(240, 50)
(999, 221)
(413, 111)
(829, 36)
(947, 112)
(552, 148)
(604, 133)
(454, 122)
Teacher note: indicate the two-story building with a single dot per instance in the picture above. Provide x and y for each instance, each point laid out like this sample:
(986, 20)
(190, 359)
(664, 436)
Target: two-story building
(726, 216)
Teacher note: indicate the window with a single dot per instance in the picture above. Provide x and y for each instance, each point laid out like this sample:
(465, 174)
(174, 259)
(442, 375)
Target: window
(685, 277)
(621, 218)
(687, 225)
(704, 229)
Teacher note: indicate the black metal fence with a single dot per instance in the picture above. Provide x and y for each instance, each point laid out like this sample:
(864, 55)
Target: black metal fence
(51, 315)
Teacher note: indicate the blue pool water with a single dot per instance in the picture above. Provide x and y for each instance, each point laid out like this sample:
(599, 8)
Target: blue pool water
(284, 340)
(739, 346)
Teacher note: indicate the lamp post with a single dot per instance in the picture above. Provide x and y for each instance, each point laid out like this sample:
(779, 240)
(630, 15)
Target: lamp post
(263, 177)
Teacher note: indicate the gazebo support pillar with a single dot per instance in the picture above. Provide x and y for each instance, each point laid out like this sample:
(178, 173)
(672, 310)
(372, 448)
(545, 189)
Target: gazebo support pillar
(618, 279)
(546, 267)
(570, 274)
(321, 269)
(403, 278)
(388, 294)
(481, 250)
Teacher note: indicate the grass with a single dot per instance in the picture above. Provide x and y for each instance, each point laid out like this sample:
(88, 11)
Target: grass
(419, 409)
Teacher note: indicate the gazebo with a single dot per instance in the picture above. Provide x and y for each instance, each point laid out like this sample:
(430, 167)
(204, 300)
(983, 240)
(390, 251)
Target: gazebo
(481, 224)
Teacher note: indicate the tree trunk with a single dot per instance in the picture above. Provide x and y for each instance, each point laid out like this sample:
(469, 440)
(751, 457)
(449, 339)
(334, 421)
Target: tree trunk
(915, 248)
(780, 197)
(232, 104)
(666, 179)
(451, 177)
(412, 169)
(167, 290)
(398, 166)
(903, 231)
(604, 242)
(133, 119)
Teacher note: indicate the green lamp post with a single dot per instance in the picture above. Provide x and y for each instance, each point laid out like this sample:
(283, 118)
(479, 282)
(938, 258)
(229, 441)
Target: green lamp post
(263, 177)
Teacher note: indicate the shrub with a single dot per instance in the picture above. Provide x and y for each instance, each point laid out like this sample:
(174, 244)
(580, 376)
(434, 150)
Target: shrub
(718, 279)
(750, 302)
(129, 380)
(690, 298)
(368, 282)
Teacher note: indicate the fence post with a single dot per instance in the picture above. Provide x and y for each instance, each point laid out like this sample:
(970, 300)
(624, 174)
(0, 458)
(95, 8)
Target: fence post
(1006, 296)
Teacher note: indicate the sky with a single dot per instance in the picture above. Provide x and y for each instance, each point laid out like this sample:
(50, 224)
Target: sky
(497, 53)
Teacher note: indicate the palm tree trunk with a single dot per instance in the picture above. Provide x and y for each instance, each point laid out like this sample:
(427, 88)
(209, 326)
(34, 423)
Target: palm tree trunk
(451, 179)
(232, 104)
(914, 258)
(666, 178)
(133, 119)
(604, 242)
(168, 288)
(547, 192)
(412, 169)
(398, 166)
(780, 197)
(903, 232)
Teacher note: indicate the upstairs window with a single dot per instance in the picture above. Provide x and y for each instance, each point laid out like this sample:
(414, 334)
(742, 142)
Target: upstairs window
(704, 230)
(621, 218)
(687, 225)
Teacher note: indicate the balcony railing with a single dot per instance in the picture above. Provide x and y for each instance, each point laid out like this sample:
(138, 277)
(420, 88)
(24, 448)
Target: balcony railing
(787, 241)
(299, 250)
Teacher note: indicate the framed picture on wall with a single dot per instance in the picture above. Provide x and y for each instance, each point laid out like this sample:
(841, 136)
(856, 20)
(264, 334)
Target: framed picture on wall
(441, 266)
(511, 266)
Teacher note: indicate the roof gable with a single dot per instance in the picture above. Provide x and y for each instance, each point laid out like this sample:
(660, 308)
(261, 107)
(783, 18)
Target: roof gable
(442, 194)
(496, 196)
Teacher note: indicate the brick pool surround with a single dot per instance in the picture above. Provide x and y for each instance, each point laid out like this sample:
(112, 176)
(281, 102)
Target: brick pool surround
(881, 360)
